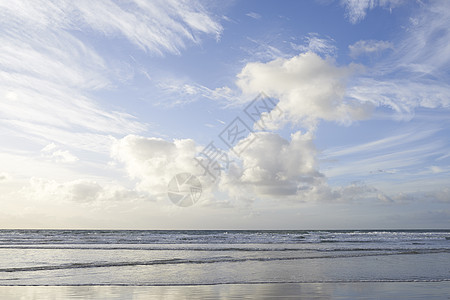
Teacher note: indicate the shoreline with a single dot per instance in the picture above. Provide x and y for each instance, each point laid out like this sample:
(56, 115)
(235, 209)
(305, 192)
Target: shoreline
(318, 290)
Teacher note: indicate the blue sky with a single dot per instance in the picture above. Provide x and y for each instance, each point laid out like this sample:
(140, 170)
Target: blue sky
(103, 103)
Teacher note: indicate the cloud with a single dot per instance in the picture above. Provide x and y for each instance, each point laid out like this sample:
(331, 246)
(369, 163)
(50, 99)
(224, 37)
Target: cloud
(439, 196)
(177, 92)
(403, 95)
(153, 162)
(64, 156)
(309, 89)
(314, 43)
(365, 47)
(356, 10)
(436, 169)
(425, 50)
(271, 167)
(400, 156)
(263, 49)
(157, 26)
(415, 74)
(53, 152)
(4, 177)
(79, 191)
(284, 171)
(254, 15)
(403, 139)
(49, 70)
(274, 166)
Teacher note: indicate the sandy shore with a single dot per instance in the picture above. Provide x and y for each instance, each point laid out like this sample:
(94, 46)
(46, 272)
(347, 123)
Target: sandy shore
(359, 290)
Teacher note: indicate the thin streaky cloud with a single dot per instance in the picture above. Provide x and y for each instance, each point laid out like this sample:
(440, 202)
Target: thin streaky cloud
(381, 144)
(396, 160)
(253, 15)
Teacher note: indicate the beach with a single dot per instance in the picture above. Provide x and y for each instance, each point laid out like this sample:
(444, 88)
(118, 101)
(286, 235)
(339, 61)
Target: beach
(361, 290)
(115, 264)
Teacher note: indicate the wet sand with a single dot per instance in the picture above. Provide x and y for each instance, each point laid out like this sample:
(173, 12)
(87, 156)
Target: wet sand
(353, 290)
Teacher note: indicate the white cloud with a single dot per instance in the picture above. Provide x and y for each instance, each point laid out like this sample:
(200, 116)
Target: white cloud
(402, 140)
(64, 156)
(80, 191)
(403, 95)
(399, 164)
(284, 171)
(253, 15)
(401, 160)
(436, 169)
(45, 82)
(49, 148)
(365, 47)
(309, 88)
(315, 43)
(357, 9)
(157, 26)
(425, 49)
(269, 167)
(415, 74)
(273, 166)
(177, 92)
(263, 49)
(4, 177)
(53, 152)
(43, 65)
(49, 71)
(153, 162)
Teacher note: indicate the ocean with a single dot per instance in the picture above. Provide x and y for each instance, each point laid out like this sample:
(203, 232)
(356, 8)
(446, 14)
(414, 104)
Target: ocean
(210, 257)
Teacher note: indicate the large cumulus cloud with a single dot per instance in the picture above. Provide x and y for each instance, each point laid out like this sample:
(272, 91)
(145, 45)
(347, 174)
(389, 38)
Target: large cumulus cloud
(309, 88)
(274, 166)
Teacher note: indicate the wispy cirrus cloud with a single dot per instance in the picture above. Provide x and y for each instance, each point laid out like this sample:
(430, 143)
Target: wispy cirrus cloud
(380, 145)
(253, 15)
(178, 92)
(313, 42)
(357, 9)
(156, 26)
(49, 69)
(369, 47)
(415, 73)
(398, 158)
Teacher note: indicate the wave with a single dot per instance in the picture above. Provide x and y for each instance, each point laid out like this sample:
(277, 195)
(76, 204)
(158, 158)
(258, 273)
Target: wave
(176, 261)
(239, 282)
(25, 237)
(221, 249)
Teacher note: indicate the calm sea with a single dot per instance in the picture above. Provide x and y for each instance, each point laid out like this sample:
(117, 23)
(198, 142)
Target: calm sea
(149, 257)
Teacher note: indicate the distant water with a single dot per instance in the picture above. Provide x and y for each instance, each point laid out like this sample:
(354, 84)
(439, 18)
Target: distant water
(149, 257)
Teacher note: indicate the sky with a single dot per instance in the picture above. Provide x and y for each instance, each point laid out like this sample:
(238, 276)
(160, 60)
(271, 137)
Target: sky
(284, 114)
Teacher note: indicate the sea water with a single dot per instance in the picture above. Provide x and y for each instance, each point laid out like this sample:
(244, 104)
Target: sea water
(202, 257)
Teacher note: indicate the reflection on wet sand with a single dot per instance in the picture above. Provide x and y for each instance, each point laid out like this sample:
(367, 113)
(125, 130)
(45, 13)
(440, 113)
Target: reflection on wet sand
(366, 290)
